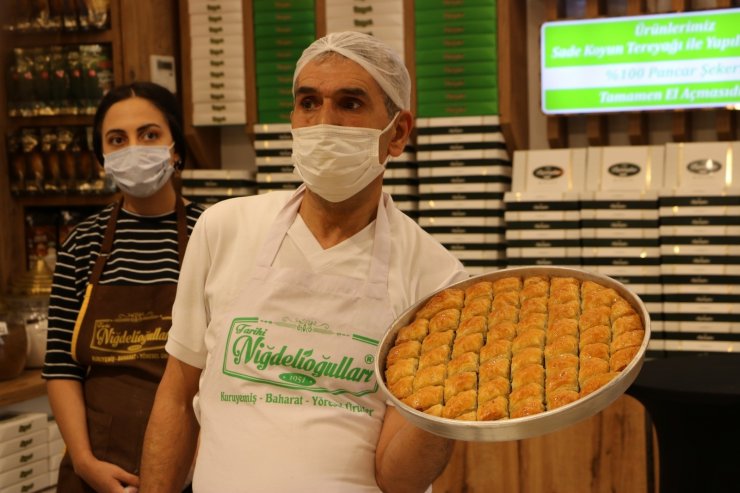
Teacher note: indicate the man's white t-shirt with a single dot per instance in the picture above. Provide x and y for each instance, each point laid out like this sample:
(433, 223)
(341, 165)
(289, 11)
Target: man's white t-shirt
(228, 235)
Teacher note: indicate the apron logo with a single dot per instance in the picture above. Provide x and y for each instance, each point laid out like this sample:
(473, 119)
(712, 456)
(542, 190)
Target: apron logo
(109, 338)
(251, 356)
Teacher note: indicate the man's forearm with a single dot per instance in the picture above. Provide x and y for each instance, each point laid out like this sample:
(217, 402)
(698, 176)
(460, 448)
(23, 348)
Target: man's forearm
(171, 435)
(411, 459)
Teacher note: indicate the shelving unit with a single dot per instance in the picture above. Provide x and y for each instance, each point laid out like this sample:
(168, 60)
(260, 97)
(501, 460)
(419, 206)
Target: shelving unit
(150, 27)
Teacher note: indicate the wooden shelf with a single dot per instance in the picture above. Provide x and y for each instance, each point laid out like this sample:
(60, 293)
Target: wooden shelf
(80, 200)
(45, 39)
(27, 386)
(50, 121)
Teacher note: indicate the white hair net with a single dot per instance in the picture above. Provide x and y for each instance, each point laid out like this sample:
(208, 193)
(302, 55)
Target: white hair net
(381, 62)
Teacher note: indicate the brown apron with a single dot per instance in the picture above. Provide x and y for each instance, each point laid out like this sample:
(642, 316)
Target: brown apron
(119, 335)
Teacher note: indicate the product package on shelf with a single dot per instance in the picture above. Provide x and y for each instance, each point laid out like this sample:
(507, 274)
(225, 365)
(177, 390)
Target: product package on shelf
(54, 160)
(620, 222)
(273, 144)
(281, 31)
(543, 210)
(56, 451)
(380, 18)
(464, 170)
(700, 246)
(209, 186)
(24, 452)
(217, 61)
(400, 180)
(456, 59)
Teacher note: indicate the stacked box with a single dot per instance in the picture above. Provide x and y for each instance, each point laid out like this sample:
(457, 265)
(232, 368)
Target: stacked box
(543, 209)
(380, 18)
(56, 451)
(456, 58)
(464, 170)
(217, 61)
(700, 246)
(209, 186)
(24, 452)
(273, 145)
(401, 181)
(282, 30)
(620, 223)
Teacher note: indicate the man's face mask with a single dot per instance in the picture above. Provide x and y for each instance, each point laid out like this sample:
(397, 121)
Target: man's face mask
(140, 171)
(337, 162)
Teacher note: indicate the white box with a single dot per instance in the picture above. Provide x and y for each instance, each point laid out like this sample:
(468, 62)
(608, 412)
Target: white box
(430, 221)
(459, 138)
(23, 473)
(33, 484)
(205, 85)
(215, 25)
(232, 113)
(23, 442)
(461, 186)
(214, 6)
(422, 156)
(16, 425)
(549, 171)
(491, 170)
(701, 167)
(24, 457)
(219, 48)
(625, 168)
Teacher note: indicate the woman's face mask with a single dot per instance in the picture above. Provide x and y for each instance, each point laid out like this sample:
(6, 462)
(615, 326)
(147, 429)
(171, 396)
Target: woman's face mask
(337, 162)
(140, 171)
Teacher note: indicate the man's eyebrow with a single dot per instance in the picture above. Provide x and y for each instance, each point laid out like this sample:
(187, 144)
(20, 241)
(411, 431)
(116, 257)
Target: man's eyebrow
(346, 91)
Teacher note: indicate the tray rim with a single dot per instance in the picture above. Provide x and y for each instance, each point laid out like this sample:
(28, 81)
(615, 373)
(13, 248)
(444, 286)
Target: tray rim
(529, 426)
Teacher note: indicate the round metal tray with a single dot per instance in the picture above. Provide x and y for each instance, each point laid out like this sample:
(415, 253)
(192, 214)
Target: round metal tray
(529, 426)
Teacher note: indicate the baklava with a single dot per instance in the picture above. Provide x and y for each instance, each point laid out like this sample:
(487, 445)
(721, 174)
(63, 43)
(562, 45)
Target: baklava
(512, 347)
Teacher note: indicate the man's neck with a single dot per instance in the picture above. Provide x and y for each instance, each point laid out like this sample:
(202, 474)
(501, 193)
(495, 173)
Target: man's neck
(332, 223)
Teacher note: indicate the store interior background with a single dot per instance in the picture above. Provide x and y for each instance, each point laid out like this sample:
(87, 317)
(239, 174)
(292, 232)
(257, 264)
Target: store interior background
(607, 442)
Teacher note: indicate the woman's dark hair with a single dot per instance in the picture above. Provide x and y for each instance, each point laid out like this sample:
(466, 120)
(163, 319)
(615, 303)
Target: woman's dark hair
(159, 96)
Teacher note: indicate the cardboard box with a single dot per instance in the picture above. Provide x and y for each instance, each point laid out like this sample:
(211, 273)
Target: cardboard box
(221, 47)
(23, 457)
(284, 16)
(278, 5)
(21, 425)
(625, 168)
(493, 169)
(701, 167)
(455, 14)
(202, 25)
(23, 474)
(233, 113)
(36, 483)
(457, 109)
(22, 442)
(430, 220)
(549, 171)
(212, 7)
(454, 28)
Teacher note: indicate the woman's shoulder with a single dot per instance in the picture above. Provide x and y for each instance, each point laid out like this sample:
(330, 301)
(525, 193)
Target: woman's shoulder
(93, 224)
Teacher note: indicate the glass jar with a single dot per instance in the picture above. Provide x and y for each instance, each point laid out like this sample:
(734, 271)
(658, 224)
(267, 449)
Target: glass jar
(31, 313)
(13, 345)
(28, 305)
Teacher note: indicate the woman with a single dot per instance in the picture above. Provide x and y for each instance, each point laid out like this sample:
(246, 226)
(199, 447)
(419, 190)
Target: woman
(113, 289)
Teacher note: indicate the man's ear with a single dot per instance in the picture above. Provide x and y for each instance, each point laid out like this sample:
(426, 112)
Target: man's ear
(403, 127)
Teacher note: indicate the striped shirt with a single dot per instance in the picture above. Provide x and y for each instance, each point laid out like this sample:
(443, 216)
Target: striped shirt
(144, 252)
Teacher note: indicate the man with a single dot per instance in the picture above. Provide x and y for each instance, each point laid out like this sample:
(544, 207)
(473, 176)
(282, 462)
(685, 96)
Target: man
(282, 295)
